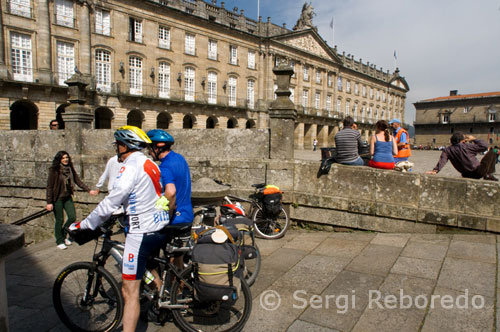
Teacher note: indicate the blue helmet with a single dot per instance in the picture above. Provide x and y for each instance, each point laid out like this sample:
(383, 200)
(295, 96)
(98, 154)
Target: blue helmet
(160, 136)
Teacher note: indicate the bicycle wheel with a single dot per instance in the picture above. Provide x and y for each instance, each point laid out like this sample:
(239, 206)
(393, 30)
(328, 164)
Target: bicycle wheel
(102, 310)
(270, 228)
(209, 316)
(251, 267)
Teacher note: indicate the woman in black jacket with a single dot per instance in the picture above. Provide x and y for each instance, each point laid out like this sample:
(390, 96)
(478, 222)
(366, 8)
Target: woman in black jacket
(60, 188)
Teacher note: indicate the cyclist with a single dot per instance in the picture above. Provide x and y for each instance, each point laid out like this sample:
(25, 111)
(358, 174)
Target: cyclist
(138, 188)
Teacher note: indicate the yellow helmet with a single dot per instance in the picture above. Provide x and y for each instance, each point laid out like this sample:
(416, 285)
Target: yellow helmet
(134, 137)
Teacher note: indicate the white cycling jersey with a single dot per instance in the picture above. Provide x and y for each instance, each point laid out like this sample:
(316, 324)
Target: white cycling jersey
(137, 187)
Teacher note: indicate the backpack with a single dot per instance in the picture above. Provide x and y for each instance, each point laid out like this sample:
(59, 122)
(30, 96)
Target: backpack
(246, 229)
(216, 266)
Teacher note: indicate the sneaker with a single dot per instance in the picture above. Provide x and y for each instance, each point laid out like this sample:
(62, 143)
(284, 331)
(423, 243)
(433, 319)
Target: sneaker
(62, 246)
(490, 177)
(68, 242)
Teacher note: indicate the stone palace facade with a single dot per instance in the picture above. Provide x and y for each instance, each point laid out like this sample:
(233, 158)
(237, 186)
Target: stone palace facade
(474, 114)
(180, 64)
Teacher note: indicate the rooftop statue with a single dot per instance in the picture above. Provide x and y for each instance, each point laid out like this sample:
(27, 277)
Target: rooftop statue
(305, 19)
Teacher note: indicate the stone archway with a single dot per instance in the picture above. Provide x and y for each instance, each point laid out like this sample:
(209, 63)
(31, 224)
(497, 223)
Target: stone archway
(23, 115)
(212, 122)
(250, 124)
(135, 118)
(163, 120)
(188, 122)
(59, 114)
(232, 123)
(102, 118)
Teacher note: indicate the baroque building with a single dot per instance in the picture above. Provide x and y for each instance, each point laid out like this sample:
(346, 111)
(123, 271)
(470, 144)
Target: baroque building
(472, 114)
(181, 64)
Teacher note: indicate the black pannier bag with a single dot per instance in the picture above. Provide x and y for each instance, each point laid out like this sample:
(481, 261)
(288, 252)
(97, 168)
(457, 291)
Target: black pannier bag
(245, 227)
(217, 266)
(272, 205)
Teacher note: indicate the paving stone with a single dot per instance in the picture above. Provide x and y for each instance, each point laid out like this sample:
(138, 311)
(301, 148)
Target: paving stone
(307, 241)
(417, 267)
(448, 316)
(339, 247)
(399, 312)
(282, 259)
(301, 326)
(479, 238)
(354, 236)
(375, 259)
(348, 299)
(312, 274)
(267, 247)
(482, 252)
(425, 250)
(476, 277)
(443, 239)
(394, 240)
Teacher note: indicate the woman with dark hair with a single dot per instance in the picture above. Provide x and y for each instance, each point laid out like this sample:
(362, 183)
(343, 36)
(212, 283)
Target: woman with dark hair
(60, 188)
(383, 147)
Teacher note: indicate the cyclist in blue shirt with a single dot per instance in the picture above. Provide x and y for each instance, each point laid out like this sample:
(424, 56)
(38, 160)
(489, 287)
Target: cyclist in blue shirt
(175, 176)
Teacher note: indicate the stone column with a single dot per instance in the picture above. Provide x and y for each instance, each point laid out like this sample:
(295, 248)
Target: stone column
(282, 116)
(44, 45)
(85, 35)
(11, 239)
(3, 67)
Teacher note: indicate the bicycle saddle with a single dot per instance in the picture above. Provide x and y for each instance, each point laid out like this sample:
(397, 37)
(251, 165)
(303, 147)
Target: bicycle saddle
(259, 185)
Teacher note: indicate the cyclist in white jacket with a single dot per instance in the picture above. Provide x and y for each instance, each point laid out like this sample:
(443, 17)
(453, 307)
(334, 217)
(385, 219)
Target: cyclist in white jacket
(138, 188)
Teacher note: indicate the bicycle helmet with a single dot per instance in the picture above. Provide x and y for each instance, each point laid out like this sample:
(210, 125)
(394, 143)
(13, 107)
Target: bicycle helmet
(133, 137)
(160, 136)
(232, 210)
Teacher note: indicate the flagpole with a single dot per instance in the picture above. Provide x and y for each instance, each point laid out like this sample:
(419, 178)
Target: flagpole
(258, 9)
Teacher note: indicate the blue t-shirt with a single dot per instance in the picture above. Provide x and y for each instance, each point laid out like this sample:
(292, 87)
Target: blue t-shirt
(383, 151)
(174, 169)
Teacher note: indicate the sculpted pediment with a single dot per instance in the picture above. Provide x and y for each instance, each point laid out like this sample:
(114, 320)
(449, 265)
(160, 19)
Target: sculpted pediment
(307, 43)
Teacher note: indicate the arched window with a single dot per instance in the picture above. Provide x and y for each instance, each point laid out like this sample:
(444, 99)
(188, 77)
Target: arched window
(134, 118)
(250, 124)
(189, 90)
(251, 94)
(211, 122)
(102, 118)
(23, 115)
(103, 70)
(232, 90)
(232, 123)
(212, 87)
(163, 120)
(135, 75)
(164, 80)
(188, 122)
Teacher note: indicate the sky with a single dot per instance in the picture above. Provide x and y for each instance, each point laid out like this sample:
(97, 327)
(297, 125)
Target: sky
(440, 45)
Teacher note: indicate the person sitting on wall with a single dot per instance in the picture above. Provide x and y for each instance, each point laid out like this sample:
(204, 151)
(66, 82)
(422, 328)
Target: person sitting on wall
(402, 141)
(462, 154)
(348, 142)
(383, 147)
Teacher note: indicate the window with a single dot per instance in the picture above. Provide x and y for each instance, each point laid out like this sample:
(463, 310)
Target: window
(21, 57)
(371, 93)
(356, 89)
(329, 80)
(233, 55)
(277, 61)
(65, 61)
(466, 109)
(364, 91)
(102, 22)
(348, 86)
(378, 94)
(250, 94)
(305, 98)
(292, 64)
(212, 49)
(135, 75)
(251, 59)
(189, 44)
(212, 87)
(292, 95)
(339, 105)
(390, 99)
(306, 73)
(491, 117)
(164, 80)
(135, 30)
(347, 108)
(383, 97)
(20, 7)
(64, 13)
(318, 76)
(329, 103)
(189, 90)
(317, 98)
(445, 118)
(339, 83)
(355, 112)
(232, 91)
(103, 70)
(275, 87)
(164, 37)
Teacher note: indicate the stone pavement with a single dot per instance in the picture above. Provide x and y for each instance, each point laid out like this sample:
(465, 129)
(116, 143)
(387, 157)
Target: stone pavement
(321, 282)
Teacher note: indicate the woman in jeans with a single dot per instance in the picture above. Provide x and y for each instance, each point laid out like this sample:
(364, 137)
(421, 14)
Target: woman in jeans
(383, 147)
(60, 188)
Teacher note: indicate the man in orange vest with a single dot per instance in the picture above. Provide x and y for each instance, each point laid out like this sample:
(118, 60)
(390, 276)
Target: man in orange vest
(402, 140)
